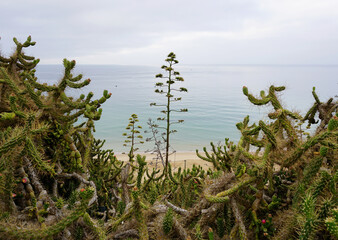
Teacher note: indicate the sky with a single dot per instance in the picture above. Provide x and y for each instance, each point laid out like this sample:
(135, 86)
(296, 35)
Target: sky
(143, 32)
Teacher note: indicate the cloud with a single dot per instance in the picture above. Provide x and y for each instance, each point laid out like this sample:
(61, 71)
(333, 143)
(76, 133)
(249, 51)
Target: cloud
(201, 32)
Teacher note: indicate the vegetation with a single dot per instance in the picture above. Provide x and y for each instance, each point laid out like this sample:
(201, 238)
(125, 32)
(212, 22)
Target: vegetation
(133, 137)
(170, 79)
(57, 181)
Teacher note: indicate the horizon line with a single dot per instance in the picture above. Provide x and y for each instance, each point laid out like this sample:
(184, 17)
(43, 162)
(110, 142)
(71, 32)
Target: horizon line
(202, 64)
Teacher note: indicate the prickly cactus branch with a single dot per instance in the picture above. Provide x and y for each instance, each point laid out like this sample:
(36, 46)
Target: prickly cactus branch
(44, 150)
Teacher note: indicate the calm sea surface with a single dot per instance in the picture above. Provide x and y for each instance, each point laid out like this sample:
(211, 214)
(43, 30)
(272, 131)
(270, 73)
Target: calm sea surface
(215, 100)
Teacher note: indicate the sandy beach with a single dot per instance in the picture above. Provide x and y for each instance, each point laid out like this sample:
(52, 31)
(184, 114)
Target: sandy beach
(178, 159)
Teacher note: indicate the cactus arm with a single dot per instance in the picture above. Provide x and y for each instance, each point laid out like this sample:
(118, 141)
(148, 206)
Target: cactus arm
(87, 154)
(76, 79)
(172, 178)
(70, 103)
(254, 100)
(141, 221)
(209, 158)
(276, 114)
(72, 145)
(28, 58)
(253, 131)
(247, 154)
(235, 188)
(19, 138)
(215, 199)
(69, 65)
(159, 177)
(311, 112)
(27, 65)
(223, 197)
(12, 102)
(312, 169)
(273, 98)
(4, 60)
(203, 158)
(105, 96)
(42, 87)
(268, 133)
(41, 165)
(33, 95)
(289, 129)
(89, 97)
(11, 143)
(77, 85)
(12, 85)
(293, 115)
(320, 184)
(314, 94)
(279, 89)
(117, 166)
(27, 43)
(254, 142)
(69, 118)
(7, 116)
(150, 178)
(96, 229)
(301, 150)
(266, 161)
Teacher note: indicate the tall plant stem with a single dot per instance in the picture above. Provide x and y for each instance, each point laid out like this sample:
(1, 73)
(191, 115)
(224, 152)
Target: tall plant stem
(168, 123)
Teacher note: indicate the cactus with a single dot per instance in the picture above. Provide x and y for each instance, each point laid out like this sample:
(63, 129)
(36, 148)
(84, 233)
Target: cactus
(308, 211)
(210, 234)
(280, 114)
(220, 227)
(257, 180)
(168, 221)
(333, 124)
(104, 170)
(142, 227)
(332, 223)
(325, 111)
(221, 156)
(42, 121)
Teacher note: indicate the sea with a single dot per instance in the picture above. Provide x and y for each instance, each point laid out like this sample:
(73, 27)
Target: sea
(214, 100)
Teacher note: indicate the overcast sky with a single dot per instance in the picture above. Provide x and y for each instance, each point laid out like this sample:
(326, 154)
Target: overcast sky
(143, 32)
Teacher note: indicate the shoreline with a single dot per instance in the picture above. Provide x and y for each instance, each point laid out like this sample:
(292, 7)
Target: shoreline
(177, 156)
(177, 159)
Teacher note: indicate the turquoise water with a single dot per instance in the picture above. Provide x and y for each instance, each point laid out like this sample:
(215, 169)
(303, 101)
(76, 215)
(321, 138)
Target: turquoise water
(215, 100)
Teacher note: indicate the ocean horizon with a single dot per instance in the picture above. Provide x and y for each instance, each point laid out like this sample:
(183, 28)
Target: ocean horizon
(214, 100)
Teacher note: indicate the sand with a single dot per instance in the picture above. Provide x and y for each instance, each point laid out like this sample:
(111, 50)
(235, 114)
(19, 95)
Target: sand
(178, 159)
